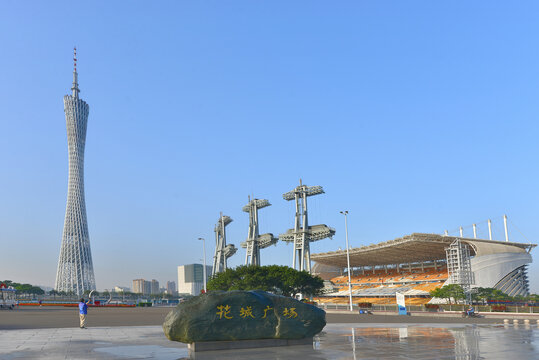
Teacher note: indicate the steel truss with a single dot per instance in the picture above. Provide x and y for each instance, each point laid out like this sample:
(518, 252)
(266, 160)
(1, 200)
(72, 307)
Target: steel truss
(459, 266)
(222, 250)
(254, 241)
(303, 234)
(75, 273)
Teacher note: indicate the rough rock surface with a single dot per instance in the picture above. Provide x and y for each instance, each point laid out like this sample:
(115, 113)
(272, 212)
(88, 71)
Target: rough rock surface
(242, 315)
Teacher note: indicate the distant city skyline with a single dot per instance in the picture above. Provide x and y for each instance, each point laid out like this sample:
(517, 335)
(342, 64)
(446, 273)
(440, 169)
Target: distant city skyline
(413, 117)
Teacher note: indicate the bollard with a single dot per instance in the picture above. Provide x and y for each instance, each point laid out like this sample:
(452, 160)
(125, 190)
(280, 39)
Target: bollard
(537, 322)
(515, 321)
(526, 322)
(506, 321)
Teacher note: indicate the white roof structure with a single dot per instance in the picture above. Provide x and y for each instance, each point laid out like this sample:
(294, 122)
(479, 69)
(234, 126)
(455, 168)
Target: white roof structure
(413, 248)
(494, 264)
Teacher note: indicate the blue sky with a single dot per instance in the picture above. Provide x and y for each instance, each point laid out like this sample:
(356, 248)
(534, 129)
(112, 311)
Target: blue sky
(415, 116)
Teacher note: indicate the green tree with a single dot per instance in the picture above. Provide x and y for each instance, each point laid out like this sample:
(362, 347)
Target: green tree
(440, 293)
(499, 295)
(456, 292)
(449, 292)
(273, 278)
(28, 289)
(482, 294)
(37, 290)
(53, 293)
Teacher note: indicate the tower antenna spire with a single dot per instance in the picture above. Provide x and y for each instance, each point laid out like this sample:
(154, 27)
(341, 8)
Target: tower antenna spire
(75, 87)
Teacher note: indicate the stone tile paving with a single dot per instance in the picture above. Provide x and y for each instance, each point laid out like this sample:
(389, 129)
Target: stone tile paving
(129, 342)
(337, 341)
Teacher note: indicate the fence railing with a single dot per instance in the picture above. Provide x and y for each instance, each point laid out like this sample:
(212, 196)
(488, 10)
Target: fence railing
(442, 307)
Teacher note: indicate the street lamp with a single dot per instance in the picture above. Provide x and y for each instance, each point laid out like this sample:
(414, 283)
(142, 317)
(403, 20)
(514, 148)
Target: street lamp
(204, 261)
(345, 213)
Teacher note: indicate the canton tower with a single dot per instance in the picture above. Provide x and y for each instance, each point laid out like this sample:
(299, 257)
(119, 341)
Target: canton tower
(75, 270)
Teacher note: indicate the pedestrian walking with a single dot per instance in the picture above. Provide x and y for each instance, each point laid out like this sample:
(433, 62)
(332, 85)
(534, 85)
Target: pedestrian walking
(83, 311)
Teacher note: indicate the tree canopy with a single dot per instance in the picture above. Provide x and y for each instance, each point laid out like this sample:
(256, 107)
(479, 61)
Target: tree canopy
(452, 291)
(273, 278)
(456, 292)
(24, 288)
(485, 294)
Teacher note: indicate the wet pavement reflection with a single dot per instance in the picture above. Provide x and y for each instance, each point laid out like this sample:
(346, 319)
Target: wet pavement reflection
(433, 342)
(337, 341)
(340, 341)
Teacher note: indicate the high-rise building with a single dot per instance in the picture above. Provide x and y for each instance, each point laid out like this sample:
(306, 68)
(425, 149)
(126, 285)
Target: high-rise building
(145, 287)
(171, 287)
(138, 286)
(75, 269)
(191, 278)
(154, 287)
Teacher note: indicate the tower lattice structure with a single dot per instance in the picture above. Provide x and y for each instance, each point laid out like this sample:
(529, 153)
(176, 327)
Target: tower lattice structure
(75, 272)
(255, 241)
(222, 250)
(302, 234)
(459, 267)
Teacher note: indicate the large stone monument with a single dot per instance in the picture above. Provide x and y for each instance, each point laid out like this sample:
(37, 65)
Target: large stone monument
(239, 319)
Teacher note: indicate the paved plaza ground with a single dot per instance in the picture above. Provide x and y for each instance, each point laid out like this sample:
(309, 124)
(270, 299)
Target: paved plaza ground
(61, 317)
(134, 334)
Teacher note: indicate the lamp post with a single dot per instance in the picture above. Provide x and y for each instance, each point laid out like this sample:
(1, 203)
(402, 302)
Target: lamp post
(204, 261)
(345, 213)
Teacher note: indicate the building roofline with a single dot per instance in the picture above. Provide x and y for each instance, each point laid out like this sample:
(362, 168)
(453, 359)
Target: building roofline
(416, 247)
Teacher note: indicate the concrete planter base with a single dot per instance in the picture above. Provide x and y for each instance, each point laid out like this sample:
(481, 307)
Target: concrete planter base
(245, 344)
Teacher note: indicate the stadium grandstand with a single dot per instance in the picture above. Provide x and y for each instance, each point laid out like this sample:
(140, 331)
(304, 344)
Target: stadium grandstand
(418, 263)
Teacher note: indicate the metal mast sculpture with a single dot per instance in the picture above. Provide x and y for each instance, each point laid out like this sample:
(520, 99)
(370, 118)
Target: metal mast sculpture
(75, 269)
(302, 234)
(254, 241)
(222, 250)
